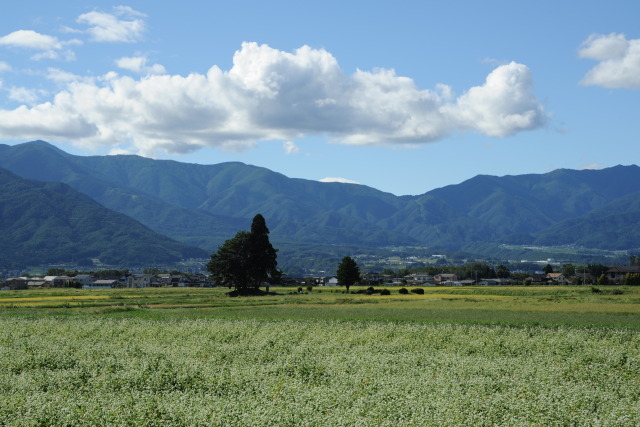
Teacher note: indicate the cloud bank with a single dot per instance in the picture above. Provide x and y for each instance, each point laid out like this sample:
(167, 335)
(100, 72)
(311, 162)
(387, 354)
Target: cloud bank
(269, 94)
(618, 61)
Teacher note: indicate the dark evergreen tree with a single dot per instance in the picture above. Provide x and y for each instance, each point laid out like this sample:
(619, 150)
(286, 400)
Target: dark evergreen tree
(262, 256)
(246, 260)
(348, 272)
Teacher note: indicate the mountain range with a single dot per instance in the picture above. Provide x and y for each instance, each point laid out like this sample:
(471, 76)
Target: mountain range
(203, 205)
(48, 223)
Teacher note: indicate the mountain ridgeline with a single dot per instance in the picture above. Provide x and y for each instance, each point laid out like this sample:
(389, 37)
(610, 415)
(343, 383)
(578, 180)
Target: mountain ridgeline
(203, 205)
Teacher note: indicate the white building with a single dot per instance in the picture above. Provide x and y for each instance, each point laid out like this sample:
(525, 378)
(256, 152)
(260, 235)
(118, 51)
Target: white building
(333, 281)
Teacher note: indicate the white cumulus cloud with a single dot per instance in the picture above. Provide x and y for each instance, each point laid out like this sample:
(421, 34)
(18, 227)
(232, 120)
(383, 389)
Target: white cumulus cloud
(138, 64)
(618, 61)
(47, 47)
(25, 95)
(290, 147)
(4, 67)
(61, 76)
(123, 25)
(337, 179)
(30, 40)
(269, 94)
(502, 106)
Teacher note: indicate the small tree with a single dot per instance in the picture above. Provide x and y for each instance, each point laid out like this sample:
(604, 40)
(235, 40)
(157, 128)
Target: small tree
(548, 269)
(348, 272)
(568, 270)
(503, 272)
(597, 270)
(632, 279)
(603, 280)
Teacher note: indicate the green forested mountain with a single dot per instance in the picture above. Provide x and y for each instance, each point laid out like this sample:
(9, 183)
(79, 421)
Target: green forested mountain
(206, 204)
(613, 226)
(51, 222)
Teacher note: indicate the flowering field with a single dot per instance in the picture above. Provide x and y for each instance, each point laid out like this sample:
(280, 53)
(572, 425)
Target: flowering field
(544, 305)
(99, 370)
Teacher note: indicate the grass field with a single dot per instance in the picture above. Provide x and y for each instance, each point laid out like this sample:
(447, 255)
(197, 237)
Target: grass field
(613, 306)
(454, 356)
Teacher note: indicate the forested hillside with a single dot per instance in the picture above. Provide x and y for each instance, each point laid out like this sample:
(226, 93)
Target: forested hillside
(51, 222)
(204, 205)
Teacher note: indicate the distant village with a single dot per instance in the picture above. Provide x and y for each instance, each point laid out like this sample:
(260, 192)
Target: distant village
(618, 275)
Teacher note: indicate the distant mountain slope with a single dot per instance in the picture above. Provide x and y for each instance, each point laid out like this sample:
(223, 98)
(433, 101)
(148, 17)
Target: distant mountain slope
(51, 222)
(206, 204)
(614, 226)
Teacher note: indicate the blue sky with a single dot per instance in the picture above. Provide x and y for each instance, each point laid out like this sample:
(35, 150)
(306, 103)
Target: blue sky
(402, 96)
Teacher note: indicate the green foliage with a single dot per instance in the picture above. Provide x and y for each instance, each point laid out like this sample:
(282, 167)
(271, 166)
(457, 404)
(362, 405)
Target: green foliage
(475, 269)
(597, 270)
(348, 272)
(262, 256)
(568, 270)
(502, 272)
(632, 279)
(472, 270)
(246, 260)
(548, 269)
(229, 266)
(48, 223)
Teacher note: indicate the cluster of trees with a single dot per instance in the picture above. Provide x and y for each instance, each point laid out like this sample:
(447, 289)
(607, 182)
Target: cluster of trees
(485, 271)
(466, 271)
(632, 280)
(98, 274)
(247, 260)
